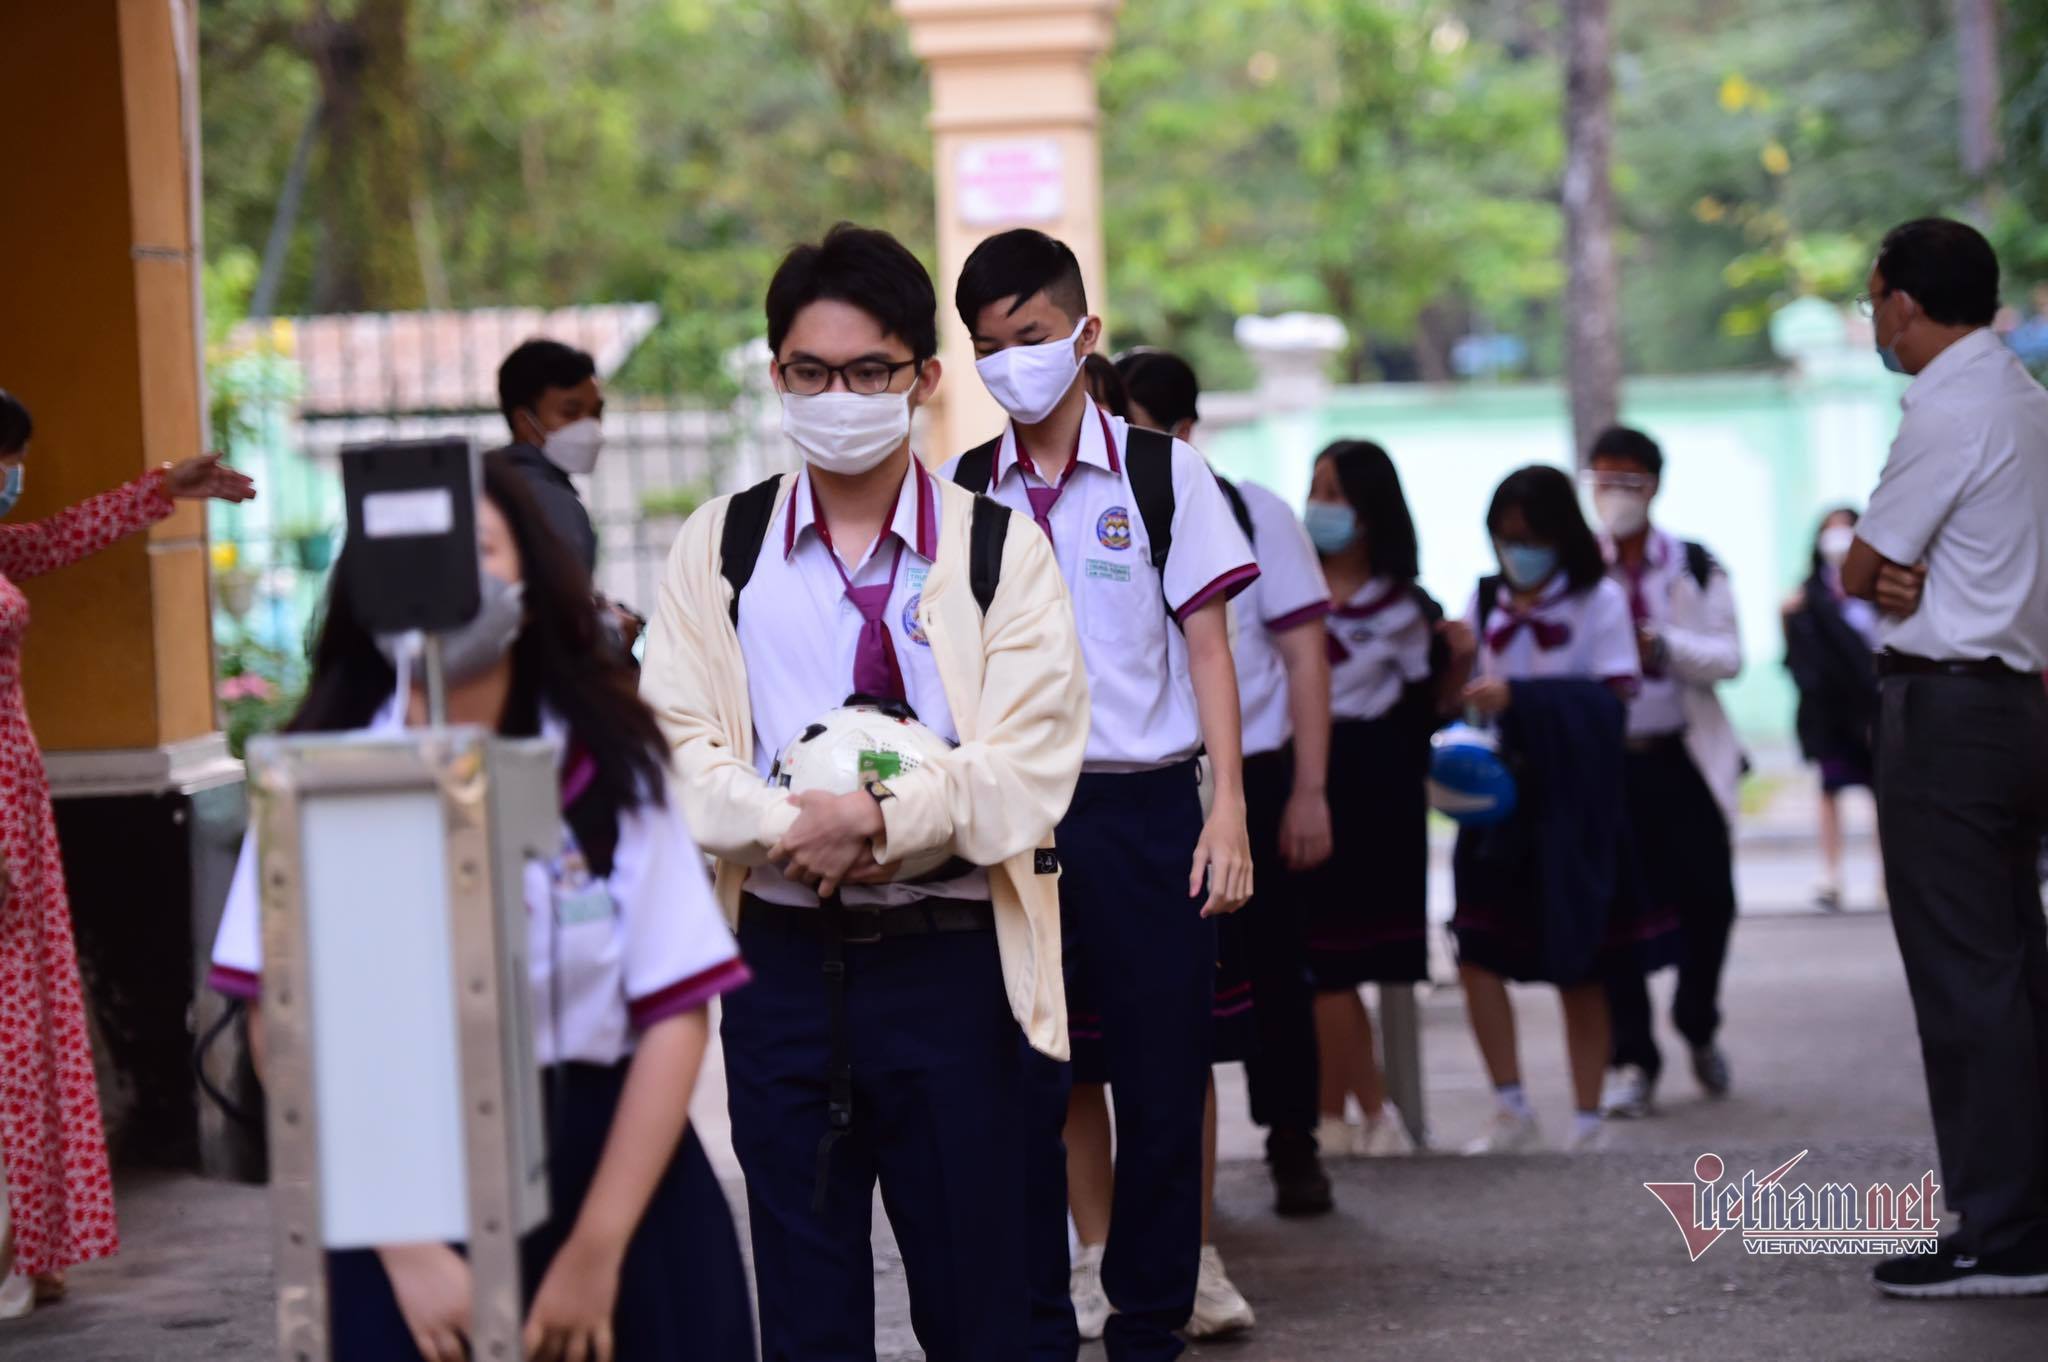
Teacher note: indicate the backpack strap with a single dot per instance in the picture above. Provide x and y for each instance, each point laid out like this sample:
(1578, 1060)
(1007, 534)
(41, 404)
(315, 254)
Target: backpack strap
(746, 526)
(1148, 459)
(1489, 596)
(991, 527)
(1699, 562)
(977, 467)
(1238, 508)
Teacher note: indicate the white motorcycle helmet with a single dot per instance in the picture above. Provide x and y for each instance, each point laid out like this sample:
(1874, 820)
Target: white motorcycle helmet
(854, 746)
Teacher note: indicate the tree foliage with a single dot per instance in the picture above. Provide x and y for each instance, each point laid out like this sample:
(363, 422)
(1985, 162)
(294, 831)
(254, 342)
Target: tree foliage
(1394, 162)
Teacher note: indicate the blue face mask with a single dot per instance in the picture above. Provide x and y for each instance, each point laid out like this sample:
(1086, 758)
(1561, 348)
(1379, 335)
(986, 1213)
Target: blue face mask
(10, 490)
(1526, 566)
(1891, 359)
(1331, 528)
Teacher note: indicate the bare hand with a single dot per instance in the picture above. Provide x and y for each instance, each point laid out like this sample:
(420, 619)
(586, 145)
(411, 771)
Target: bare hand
(431, 1282)
(1305, 830)
(869, 873)
(1488, 697)
(571, 1319)
(1224, 854)
(207, 478)
(832, 836)
(1460, 640)
(1898, 589)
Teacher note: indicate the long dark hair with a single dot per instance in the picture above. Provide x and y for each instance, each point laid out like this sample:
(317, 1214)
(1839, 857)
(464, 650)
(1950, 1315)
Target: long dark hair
(1550, 505)
(1372, 486)
(561, 661)
(1855, 516)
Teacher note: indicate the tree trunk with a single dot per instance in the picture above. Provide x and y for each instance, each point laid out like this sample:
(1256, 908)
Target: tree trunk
(1592, 295)
(372, 177)
(1977, 55)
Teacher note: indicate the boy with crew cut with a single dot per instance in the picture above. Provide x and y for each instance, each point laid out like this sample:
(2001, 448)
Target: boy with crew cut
(1151, 553)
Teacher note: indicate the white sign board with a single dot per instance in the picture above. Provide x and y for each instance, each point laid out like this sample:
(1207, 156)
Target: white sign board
(1005, 183)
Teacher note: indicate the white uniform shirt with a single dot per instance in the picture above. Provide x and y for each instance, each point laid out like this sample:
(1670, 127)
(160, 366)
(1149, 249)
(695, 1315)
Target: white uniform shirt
(1379, 646)
(610, 957)
(1580, 634)
(1289, 594)
(1143, 702)
(1966, 491)
(1659, 707)
(800, 634)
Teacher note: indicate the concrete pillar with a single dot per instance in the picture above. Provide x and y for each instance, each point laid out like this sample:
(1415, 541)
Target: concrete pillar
(102, 341)
(1014, 133)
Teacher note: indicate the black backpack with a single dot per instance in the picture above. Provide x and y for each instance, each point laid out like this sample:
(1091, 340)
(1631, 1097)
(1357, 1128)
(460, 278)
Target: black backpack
(746, 526)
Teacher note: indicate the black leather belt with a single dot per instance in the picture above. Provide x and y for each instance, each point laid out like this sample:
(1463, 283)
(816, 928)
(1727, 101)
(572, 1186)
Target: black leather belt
(860, 926)
(1890, 663)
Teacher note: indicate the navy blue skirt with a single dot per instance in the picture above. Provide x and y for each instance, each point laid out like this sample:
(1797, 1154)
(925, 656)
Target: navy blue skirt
(682, 1290)
(1368, 904)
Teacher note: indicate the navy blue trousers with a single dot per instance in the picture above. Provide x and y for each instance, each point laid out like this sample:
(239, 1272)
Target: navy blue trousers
(682, 1289)
(1282, 1075)
(1138, 945)
(937, 1122)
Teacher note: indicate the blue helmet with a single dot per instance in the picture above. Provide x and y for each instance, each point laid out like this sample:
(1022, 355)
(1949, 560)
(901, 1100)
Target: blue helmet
(1468, 781)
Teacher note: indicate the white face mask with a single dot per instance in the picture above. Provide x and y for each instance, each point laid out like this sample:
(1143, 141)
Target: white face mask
(1622, 513)
(846, 432)
(574, 448)
(1029, 380)
(1835, 543)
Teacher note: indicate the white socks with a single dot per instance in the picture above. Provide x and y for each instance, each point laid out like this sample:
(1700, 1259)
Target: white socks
(1514, 1101)
(1585, 1123)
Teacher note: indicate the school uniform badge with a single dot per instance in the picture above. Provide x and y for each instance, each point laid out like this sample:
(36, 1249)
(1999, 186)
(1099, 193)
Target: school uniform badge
(913, 628)
(1113, 530)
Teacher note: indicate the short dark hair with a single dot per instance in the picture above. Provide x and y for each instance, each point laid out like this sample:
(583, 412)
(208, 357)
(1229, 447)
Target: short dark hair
(1550, 504)
(1020, 264)
(1162, 383)
(536, 366)
(1106, 385)
(1947, 266)
(1366, 473)
(15, 424)
(867, 268)
(1625, 442)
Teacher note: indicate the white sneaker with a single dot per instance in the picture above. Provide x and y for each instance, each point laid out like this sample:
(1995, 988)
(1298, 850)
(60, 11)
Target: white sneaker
(1628, 1093)
(1337, 1138)
(1586, 1141)
(1509, 1134)
(1084, 1284)
(17, 1293)
(1385, 1137)
(1219, 1308)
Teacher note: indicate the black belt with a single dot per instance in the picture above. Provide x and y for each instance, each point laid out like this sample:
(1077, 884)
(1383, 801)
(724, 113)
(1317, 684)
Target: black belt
(1891, 663)
(864, 926)
(1657, 742)
(839, 927)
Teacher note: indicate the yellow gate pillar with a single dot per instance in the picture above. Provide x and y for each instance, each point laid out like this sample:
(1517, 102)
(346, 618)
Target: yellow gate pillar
(1014, 130)
(101, 342)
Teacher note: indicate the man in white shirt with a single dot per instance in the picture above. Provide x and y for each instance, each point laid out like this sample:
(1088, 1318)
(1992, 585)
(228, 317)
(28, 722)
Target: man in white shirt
(1954, 550)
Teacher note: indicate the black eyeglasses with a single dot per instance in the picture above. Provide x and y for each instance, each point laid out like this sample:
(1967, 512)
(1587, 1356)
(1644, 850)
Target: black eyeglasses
(809, 377)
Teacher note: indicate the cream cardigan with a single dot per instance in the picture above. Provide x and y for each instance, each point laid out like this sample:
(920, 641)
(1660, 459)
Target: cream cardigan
(1018, 692)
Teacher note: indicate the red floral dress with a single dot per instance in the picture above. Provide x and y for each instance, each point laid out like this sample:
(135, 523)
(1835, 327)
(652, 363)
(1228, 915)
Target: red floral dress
(58, 1188)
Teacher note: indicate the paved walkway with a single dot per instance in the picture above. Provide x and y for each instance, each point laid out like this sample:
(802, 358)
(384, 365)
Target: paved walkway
(1538, 1257)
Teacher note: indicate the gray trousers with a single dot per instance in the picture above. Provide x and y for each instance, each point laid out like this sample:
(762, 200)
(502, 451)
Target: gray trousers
(1962, 789)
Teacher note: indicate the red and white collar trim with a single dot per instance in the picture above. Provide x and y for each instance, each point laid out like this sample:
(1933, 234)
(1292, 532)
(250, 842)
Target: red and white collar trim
(1010, 454)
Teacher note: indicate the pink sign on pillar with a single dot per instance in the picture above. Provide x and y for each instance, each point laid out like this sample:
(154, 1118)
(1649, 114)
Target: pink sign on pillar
(1005, 183)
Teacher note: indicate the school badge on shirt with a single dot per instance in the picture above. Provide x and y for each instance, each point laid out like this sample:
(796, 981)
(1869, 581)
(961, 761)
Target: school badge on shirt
(579, 896)
(1114, 529)
(913, 628)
